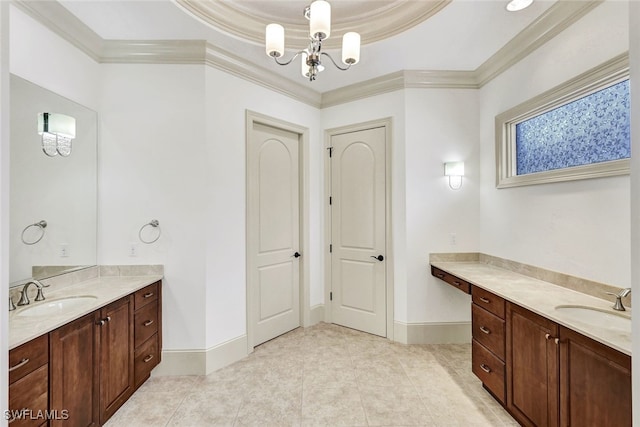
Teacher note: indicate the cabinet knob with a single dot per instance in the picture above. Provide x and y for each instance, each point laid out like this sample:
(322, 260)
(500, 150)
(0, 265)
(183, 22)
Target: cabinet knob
(547, 336)
(100, 322)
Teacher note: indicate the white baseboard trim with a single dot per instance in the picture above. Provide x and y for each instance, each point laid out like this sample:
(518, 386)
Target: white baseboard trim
(317, 314)
(201, 362)
(432, 333)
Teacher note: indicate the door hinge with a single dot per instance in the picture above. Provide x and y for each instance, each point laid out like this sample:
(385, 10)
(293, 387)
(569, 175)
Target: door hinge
(330, 296)
(330, 248)
(330, 200)
(330, 151)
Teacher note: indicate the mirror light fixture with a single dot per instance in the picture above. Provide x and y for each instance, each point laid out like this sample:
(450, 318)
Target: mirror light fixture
(319, 16)
(455, 172)
(57, 131)
(516, 5)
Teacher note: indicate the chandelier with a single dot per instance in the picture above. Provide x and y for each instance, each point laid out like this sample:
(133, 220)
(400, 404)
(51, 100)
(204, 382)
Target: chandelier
(319, 16)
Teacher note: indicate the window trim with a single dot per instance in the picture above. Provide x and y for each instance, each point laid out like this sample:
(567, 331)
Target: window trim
(600, 77)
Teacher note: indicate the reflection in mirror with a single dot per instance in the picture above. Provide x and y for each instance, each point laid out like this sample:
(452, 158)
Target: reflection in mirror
(53, 201)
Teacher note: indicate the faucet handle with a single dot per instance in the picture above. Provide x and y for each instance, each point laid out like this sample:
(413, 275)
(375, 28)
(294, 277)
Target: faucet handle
(618, 304)
(40, 295)
(12, 306)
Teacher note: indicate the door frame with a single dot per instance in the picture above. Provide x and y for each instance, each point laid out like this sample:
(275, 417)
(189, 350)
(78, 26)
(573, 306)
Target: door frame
(253, 117)
(387, 124)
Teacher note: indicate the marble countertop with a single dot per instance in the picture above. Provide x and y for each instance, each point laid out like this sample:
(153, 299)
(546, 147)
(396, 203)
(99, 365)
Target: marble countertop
(106, 290)
(542, 298)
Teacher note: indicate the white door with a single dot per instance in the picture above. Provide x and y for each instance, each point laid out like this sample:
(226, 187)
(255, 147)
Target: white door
(274, 229)
(358, 234)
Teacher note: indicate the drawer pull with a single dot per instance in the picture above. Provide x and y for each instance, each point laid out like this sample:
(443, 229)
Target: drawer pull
(456, 283)
(484, 300)
(485, 330)
(148, 358)
(19, 365)
(148, 323)
(148, 295)
(485, 368)
(440, 275)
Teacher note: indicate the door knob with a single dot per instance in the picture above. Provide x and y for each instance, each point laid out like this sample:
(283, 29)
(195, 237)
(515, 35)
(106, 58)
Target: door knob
(379, 257)
(297, 255)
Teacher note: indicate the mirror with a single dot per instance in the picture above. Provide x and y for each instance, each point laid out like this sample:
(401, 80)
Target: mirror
(59, 191)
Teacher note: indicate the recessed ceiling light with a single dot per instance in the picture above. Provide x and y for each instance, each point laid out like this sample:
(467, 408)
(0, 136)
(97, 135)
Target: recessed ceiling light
(516, 5)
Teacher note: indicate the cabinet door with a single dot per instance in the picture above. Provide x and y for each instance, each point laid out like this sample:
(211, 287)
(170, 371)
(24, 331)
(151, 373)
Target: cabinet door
(595, 387)
(74, 372)
(116, 356)
(532, 368)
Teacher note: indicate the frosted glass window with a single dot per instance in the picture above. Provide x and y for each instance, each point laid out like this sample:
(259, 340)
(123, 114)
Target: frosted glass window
(592, 129)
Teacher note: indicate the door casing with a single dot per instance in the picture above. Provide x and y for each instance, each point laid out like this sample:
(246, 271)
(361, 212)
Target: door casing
(387, 123)
(252, 117)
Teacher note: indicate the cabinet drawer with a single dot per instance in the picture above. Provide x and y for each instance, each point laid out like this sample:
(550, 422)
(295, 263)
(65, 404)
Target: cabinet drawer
(490, 370)
(28, 357)
(488, 301)
(30, 394)
(452, 280)
(488, 330)
(146, 295)
(146, 323)
(146, 358)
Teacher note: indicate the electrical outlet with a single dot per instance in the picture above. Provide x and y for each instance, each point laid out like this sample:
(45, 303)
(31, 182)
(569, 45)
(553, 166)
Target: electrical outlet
(133, 249)
(64, 250)
(453, 239)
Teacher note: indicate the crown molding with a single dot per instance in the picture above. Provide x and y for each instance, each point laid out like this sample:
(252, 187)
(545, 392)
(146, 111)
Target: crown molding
(240, 67)
(552, 22)
(58, 19)
(153, 51)
(374, 26)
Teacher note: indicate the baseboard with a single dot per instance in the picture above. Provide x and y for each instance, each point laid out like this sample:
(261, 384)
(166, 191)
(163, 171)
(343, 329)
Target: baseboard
(226, 353)
(432, 333)
(317, 314)
(201, 362)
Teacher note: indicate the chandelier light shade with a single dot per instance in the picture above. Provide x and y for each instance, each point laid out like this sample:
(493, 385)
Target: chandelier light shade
(319, 16)
(275, 40)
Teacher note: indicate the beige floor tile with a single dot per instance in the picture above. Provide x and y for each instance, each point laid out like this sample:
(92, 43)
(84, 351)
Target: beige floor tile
(325, 375)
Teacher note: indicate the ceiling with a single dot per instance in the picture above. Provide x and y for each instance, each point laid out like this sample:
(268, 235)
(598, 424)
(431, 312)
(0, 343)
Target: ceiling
(397, 34)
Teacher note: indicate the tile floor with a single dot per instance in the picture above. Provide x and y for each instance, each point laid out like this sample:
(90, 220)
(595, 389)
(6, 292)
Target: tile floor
(325, 375)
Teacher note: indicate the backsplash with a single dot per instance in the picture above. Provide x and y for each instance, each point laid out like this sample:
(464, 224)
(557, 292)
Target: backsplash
(585, 286)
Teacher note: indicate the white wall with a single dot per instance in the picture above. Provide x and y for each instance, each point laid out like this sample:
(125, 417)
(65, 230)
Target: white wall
(634, 56)
(4, 205)
(441, 126)
(579, 228)
(151, 166)
(224, 196)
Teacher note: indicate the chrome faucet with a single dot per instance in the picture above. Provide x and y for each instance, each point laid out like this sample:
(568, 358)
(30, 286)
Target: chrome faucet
(618, 304)
(24, 299)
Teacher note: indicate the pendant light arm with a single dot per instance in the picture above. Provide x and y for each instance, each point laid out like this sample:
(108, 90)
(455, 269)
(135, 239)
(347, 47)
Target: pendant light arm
(335, 63)
(291, 60)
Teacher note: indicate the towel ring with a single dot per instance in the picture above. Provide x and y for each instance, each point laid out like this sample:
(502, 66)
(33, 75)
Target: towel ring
(41, 225)
(155, 224)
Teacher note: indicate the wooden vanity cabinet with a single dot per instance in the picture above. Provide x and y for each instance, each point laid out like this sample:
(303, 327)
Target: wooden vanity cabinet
(595, 383)
(75, 371)
(454, 281)
(148, 331)
(92, 364)
(488, 344)
(532, 367)
(29, 382)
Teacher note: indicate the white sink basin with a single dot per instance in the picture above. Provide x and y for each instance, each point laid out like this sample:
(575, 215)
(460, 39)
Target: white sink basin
(596, 317)
(56, 306)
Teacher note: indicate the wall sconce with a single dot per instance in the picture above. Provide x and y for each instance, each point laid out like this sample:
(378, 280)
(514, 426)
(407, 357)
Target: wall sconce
(455, 172)
(57, 131)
